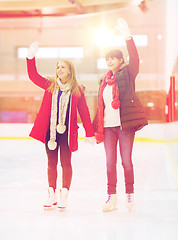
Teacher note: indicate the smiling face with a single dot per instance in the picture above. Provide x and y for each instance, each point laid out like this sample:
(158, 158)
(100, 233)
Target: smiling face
(62, 71)
(113, 63)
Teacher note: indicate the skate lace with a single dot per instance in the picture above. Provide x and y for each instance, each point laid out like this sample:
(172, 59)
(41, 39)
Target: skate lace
(49, 195)
(109, 197)
(129, 198)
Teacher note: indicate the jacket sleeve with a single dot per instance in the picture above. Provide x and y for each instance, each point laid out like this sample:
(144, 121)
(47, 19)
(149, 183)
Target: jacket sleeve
(85, 116)
(133, 58)
(34, 76)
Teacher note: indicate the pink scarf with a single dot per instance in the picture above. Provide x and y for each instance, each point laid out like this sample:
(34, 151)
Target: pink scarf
(108, 79)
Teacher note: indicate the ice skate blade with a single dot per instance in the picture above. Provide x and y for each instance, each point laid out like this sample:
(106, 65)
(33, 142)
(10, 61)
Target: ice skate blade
(61, 208)
(50, 207)
(110, 210)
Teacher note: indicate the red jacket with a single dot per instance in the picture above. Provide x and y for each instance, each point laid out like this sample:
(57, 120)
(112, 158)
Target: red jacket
(42, 120)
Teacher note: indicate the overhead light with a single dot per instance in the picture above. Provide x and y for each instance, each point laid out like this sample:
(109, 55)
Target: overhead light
(143, 6)
(150, 104)
(77, 3)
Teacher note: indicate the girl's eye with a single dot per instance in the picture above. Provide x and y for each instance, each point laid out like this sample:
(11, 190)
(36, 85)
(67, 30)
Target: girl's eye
(60, 67)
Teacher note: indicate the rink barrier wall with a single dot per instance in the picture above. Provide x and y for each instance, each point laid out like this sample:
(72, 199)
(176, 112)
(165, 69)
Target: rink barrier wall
(166, 133)
(161, 133)
(173, 161)
(83, 138)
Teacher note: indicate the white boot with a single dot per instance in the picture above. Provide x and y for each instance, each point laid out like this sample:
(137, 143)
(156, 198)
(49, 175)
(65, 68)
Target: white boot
(63, 198)
(51, 200)
(129, 201)
(111, 203)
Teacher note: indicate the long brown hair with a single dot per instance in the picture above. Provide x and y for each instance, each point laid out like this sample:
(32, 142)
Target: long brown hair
(71, 79)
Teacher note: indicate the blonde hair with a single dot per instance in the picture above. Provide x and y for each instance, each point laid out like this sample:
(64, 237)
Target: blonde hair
(72, 81)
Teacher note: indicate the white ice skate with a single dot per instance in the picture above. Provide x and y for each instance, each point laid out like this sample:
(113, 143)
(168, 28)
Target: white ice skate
(129, 201)
(63, 200)
(111, 203)
(51, 200)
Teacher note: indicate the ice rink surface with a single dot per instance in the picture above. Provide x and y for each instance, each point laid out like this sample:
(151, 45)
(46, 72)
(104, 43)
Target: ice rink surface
(23, 189)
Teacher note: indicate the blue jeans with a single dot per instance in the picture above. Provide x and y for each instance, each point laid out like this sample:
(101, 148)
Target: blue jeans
(126, 139)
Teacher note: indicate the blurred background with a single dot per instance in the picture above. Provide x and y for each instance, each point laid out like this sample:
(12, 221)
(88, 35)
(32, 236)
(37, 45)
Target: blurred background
(83, 31)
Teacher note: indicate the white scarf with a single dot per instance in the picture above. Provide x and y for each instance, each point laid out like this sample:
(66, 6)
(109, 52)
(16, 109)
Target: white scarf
(63, 103)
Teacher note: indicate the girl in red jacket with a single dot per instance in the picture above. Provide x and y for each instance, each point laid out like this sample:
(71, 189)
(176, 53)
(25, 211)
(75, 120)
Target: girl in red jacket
(56, 122)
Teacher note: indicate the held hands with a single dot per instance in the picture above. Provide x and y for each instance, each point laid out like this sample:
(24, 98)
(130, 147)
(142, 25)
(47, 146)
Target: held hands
(90, 140)
(123, 28)
(33, 50)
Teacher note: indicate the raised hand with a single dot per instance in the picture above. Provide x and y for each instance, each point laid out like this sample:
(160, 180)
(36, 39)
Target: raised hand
(33, 50)
(123, 28)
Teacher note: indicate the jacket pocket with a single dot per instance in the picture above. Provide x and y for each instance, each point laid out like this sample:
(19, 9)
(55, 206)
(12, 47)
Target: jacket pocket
(75, 139)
